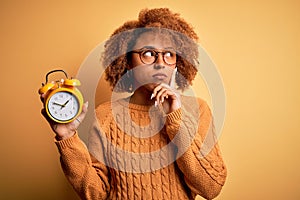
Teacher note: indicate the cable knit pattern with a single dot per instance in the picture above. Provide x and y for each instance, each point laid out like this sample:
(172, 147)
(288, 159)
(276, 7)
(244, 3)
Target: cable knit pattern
(128, 158)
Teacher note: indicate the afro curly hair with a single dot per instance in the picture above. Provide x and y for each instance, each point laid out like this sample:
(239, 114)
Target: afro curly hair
(116, 59)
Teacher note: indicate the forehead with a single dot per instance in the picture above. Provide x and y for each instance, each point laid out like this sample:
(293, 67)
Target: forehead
(156, 40)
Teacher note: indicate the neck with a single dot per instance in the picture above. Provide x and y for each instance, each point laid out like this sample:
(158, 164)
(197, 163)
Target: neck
(142, 97)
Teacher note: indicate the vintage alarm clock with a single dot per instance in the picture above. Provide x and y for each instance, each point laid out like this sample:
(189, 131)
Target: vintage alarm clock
(62, 101)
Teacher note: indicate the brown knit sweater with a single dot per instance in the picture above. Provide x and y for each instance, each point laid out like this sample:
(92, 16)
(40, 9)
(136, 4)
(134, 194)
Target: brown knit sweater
(136, 164)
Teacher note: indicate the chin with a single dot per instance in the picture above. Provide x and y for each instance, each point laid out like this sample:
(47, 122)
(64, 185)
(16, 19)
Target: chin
(151, 86)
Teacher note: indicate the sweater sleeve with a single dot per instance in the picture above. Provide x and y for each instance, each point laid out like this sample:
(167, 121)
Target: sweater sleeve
(88, 177)
(200, 162)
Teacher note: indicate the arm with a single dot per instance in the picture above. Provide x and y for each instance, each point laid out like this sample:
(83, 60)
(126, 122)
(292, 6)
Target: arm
(201, 164)
(89, 178)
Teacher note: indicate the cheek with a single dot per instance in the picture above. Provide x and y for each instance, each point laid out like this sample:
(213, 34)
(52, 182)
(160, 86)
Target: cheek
(142, 75)
(139, 75)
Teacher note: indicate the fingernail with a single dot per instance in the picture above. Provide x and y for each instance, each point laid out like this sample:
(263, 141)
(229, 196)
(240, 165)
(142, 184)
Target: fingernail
(162, 100)
(155, 103)
(152, 95)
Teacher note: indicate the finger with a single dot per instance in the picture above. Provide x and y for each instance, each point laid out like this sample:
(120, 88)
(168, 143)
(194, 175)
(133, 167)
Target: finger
(78, 121)
(52, 124)
(156, 89)
(168, 94)
(164, 96)
(43, 112)
(81, 117)
(45, 115)
(85, 107)
(42, 97)
(171, 94)
(160, 95)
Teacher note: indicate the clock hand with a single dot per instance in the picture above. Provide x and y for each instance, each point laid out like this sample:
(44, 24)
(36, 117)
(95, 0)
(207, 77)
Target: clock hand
(61, 106)
(57, 104)
(66, 103)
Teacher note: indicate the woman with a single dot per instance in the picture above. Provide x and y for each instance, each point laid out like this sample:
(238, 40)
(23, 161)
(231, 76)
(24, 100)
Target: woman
(149, 145)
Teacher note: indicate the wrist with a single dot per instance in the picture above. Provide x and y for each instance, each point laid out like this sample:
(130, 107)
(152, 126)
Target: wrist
(59, 137)
(175, 116)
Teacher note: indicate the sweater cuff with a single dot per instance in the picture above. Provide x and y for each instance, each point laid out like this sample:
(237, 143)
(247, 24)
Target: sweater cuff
(173, 123)
(174, 117)
(67, 143)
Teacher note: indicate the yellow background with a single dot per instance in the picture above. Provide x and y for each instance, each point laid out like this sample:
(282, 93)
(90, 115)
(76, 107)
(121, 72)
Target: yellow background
(255, 45)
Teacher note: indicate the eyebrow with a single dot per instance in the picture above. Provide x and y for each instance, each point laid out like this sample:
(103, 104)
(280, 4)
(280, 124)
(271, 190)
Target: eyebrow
(152, 47)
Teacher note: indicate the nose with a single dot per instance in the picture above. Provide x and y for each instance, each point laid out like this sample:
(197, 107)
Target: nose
(159, 63)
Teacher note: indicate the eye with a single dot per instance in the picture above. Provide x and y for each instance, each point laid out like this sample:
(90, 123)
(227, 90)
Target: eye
(148, 54)
(170, 54)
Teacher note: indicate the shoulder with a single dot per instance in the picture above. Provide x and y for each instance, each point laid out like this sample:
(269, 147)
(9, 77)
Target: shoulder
(105, 110)
(195, 104)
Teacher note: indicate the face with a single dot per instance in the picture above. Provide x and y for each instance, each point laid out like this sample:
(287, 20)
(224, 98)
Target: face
(63, 106)
(161, 70)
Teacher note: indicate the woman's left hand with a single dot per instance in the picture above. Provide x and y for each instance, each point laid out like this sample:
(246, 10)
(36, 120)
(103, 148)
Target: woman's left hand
(166, 96)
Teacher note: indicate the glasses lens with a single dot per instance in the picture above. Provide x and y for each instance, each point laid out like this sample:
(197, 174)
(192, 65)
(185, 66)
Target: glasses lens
(170, 57)
(148, 56)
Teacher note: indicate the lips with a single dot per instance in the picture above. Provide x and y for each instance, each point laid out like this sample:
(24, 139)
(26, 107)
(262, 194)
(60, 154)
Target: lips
(159, 76)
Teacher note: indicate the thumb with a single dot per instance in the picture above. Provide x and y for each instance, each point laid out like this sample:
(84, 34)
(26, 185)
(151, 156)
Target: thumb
(83, 112)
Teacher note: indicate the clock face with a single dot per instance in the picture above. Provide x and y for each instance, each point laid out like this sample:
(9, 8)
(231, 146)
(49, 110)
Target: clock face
(63, 106)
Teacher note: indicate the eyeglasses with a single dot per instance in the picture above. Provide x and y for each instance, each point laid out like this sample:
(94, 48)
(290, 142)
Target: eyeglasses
(149, 56)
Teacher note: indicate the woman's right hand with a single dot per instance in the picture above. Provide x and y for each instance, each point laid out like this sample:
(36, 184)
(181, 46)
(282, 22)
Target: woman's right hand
(67, 130)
